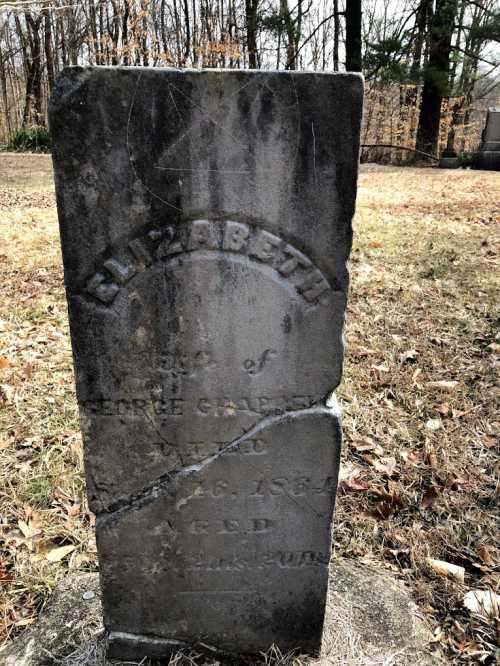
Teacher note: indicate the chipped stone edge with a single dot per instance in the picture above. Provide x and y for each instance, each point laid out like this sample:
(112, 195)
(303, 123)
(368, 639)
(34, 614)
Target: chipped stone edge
(123, 645)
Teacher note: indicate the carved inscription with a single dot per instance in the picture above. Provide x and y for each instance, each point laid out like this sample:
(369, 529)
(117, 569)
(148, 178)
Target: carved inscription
(185, 364)
(230, 526)
(250, 447)
(218, 407)
(205, 252)
(203, 561)
(228, 236)
(299, 486)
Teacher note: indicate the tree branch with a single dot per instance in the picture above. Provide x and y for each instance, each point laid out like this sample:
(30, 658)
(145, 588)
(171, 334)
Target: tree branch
(474, 56)
(389, 145)
(292, 60)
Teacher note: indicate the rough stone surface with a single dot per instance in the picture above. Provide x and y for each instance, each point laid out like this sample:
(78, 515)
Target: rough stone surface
(205, 223)
(449, 163)
(379, 616)
(488, 154)
(67, 622)
(370, 621)
(240, 542)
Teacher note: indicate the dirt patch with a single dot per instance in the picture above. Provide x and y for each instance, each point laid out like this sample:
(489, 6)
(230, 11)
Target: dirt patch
(371, 621)
(26, 171)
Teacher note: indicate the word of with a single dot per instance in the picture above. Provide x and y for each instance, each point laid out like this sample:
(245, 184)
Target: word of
(253, 368)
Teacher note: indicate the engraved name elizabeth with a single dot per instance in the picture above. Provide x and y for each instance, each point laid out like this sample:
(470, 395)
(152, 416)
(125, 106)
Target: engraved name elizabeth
(228, 236)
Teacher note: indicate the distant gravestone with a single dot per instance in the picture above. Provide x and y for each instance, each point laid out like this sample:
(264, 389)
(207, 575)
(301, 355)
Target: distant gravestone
(206, 222)
(449, 158)
(488, 155)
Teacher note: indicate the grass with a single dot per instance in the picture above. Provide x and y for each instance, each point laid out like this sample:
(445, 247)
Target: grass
(34, 139)
(419, 476)
(420, 384)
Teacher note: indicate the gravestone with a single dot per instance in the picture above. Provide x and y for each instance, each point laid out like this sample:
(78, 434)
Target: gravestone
(449, 158)
(488, 154)
(205, 222)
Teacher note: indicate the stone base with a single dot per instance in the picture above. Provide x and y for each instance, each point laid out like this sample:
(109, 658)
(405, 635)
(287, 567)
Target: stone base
(370, 619)
(449, 163)
(487, 160)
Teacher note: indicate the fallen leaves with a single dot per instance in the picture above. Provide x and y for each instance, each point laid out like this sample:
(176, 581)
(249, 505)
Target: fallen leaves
(386, 466)
(364, 444)
(433, 424)
(444, 385)
(430, 496)
(420, 380)
(458, 481)
(412, 457)
(349, 478)
(27, 531)
(409, 356)
(488, 441)
(388, 500)
(483, 552)
(483, 602)
(57, 554)
(446, 569)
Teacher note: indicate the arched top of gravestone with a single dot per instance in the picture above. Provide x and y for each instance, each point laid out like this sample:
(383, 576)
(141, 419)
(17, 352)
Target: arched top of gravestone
(170, 145)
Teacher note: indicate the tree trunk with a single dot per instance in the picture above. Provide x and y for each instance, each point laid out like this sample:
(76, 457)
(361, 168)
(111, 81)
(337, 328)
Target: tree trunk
(290, 35)
(336, 28)
(196, 54)
(187, 48)
(49, 57)
(36, 59)
(125, 45)
(418, 42)
(177, 35)
(144, 33)
(5, 98)
(62, 32)
(436, 75)
(251, 7)
(32, 113)
(353, 61)
(460, 26)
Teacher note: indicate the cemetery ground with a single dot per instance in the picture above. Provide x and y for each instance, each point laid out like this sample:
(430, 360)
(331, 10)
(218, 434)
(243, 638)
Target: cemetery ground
(418, 398)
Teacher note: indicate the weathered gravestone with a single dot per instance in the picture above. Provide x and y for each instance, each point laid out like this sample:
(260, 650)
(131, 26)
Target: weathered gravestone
(488, 154)
(449, 158)
(206, 222)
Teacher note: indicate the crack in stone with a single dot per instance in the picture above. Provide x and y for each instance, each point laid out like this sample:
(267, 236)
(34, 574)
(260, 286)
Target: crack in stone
(162, 485)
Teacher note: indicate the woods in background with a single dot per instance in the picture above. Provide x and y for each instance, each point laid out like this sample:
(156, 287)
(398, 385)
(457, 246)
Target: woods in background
(430, 65)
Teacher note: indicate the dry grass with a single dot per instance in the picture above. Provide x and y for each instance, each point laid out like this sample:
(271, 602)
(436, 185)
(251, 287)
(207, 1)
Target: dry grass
(418, 396)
